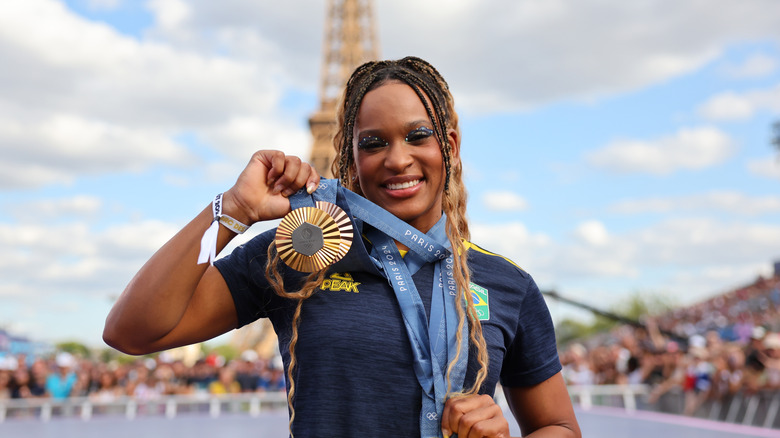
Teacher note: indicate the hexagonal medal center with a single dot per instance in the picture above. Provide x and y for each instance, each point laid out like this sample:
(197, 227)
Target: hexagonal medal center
(307, 239)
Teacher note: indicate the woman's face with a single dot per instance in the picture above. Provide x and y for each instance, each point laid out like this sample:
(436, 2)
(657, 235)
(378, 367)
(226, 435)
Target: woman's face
(397, 157)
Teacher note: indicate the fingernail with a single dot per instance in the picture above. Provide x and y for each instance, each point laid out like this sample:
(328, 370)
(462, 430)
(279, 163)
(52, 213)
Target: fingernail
(446, 433)
(287, 192)
(311, 187)
(277, 188)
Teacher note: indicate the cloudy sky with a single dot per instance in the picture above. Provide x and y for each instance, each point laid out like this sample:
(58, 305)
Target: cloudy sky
(611, 147)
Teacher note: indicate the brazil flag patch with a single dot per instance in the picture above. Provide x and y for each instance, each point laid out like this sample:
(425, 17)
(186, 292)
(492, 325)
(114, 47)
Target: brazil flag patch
(480, 297)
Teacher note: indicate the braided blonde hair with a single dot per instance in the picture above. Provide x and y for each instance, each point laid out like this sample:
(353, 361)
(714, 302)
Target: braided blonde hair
(431, 87)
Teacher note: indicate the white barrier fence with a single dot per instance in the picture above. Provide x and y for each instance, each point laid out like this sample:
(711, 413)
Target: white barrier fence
(759, 409)
(169, 406)
(625, 396)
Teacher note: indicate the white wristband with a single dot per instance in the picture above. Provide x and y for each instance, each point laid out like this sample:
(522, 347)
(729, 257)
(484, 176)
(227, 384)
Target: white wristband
(208, 243)
(233, 224)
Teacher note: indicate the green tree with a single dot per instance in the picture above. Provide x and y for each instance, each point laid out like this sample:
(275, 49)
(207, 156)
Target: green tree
(634, 307)
(569, 330)
(74, 348)
(227, 351)
(639, 305)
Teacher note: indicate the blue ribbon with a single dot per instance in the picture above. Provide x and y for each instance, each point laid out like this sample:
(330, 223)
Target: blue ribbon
(434, 341)
(359, 207)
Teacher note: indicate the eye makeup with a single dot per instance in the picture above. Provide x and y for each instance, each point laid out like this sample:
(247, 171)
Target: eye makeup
(418, 134)
(372, 142)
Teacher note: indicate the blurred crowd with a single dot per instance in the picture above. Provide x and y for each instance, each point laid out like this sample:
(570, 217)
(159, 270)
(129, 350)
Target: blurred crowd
(714, 349)
(64, 375)
(726, 345)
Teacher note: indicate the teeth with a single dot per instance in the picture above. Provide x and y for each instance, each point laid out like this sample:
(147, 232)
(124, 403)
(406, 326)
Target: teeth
(405, 185)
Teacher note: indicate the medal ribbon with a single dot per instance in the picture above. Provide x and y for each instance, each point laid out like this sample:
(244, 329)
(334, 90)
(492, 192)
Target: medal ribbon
(434, 342)
(424, 246)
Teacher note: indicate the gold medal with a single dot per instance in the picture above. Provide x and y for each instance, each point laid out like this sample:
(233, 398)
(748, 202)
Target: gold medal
(311, 238)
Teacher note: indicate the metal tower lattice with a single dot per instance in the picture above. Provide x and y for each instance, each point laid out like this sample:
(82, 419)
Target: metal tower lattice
(350, 40)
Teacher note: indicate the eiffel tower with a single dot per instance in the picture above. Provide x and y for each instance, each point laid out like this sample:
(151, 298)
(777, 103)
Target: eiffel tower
(350, 40)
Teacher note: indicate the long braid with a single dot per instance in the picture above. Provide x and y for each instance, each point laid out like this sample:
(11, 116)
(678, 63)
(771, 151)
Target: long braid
(311, 282)
(426, 81)
(428, 84)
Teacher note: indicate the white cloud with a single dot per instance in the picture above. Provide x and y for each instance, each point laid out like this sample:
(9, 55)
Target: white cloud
(13, 176)
(74, 265)
(48, 259)
(546, 50)
(592, 233)
(768, 167)
(61, 146)
(88, 67)
(77, 97)
(693, 148)
(240, 137)
(727, 106)
(284, 39)
(741, 106)
(697, 284)
(553, 50)
(681, 256)
(135, 239)
(170, 14)
(701, 242)
(593, 253)
(80, 206)
(504, 201)
(514, 241)
(727, 201)
(209, 67)
(757, 65)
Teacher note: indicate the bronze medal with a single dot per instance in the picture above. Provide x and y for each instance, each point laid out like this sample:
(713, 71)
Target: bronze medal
(311, 238)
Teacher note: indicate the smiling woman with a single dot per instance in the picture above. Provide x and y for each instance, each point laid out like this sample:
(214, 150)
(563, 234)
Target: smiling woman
(431, 323)
(398, 160)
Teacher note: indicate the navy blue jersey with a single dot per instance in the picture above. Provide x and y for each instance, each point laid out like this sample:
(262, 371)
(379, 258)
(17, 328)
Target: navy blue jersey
(354, 369)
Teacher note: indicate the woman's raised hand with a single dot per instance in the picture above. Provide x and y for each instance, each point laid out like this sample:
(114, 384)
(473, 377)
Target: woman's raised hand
(261, 191)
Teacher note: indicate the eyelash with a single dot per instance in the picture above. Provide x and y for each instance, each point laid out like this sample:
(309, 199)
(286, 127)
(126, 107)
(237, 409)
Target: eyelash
(374, 142)
(418, 134)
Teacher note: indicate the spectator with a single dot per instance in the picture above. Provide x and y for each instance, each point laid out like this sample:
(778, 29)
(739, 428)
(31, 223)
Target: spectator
(771, 359)
(729, 372)
(147, 387)
(203, 373)
(226, 382)
(60, 383)
(5, 384)
(754, 366)
(247, 374)
(107, 390)
(698, 378)
(716, 363)
(23, 385)
(578, 370)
